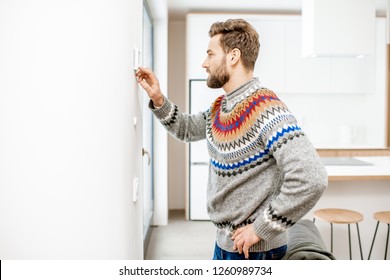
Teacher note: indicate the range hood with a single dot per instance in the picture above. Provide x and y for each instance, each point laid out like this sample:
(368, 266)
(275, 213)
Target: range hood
(338, 28)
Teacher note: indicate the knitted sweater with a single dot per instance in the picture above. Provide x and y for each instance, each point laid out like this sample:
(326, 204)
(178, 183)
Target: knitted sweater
(263, 168)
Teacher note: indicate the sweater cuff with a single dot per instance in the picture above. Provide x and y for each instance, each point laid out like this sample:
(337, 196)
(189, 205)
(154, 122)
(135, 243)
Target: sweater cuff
(163, 111)
(266, 228)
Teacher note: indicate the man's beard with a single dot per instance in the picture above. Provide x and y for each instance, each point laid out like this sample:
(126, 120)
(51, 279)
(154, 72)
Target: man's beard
(220, 78)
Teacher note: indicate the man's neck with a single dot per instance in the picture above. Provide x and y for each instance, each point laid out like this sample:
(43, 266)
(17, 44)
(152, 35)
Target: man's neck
(237, 80)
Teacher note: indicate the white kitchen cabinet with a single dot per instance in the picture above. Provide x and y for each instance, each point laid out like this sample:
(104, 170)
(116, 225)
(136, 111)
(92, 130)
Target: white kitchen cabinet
(321, 75)
(338, 28)
(280, 65)
(201, 98)
(303, 75)
(271, 61)
(198, 192)
(350, 75)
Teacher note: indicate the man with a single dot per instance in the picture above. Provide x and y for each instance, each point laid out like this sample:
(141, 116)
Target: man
(264, 174)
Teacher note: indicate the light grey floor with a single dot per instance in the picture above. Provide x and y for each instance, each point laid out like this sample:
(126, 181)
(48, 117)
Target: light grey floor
(182, 239)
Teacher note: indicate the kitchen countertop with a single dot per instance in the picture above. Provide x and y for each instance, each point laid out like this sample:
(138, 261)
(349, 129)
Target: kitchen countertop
(358, 168)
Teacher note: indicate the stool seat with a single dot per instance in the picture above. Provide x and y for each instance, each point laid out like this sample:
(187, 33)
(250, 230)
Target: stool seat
(341, 216)
(383, 217)
(338, 216)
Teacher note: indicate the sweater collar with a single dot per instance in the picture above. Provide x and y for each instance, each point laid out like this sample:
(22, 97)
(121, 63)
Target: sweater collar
(242, 92)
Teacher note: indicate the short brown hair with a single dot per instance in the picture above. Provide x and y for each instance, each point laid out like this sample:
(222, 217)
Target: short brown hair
(238, 33)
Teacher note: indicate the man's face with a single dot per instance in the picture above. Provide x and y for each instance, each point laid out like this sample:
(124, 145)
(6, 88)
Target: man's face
(215, 64)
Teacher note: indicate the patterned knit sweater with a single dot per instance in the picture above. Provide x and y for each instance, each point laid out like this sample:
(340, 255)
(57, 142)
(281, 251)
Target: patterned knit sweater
(263, 169)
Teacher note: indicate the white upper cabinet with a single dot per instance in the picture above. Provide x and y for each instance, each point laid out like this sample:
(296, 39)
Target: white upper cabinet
(322, 74)
(280, 65)
(303, 75)
(338, 28)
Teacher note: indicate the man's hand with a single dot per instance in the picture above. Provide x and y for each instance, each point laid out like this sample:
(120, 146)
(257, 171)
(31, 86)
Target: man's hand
(151, 85)
(244, 238)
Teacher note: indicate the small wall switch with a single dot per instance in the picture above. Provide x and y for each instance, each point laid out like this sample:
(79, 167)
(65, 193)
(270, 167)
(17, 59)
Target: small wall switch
(136, 59)
(135, 122)
(135, 189)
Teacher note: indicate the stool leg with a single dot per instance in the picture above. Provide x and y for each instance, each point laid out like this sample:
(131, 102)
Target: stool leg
(360, 243)
(372, 244)
(331, 237)
(349, 240)
(387, 241)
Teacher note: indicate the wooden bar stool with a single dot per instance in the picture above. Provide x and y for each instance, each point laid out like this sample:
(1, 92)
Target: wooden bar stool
(340, 216)
(383, 217)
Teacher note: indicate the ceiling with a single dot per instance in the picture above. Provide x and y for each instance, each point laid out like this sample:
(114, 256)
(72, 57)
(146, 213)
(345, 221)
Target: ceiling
(177, 9)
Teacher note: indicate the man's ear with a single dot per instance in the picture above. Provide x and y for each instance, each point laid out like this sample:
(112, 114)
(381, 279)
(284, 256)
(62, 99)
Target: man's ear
(234, 56)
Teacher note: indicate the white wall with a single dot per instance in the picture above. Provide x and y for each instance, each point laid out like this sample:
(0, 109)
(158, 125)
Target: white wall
(68, 147)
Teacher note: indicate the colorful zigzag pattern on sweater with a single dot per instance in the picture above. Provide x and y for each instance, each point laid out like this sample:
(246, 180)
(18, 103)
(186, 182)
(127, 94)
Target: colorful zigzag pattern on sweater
(246, 136)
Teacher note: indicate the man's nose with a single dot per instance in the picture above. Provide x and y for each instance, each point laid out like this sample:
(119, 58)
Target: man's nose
(205, 64)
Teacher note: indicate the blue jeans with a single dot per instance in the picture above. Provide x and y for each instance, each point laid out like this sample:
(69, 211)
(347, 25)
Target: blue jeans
(274, 254)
